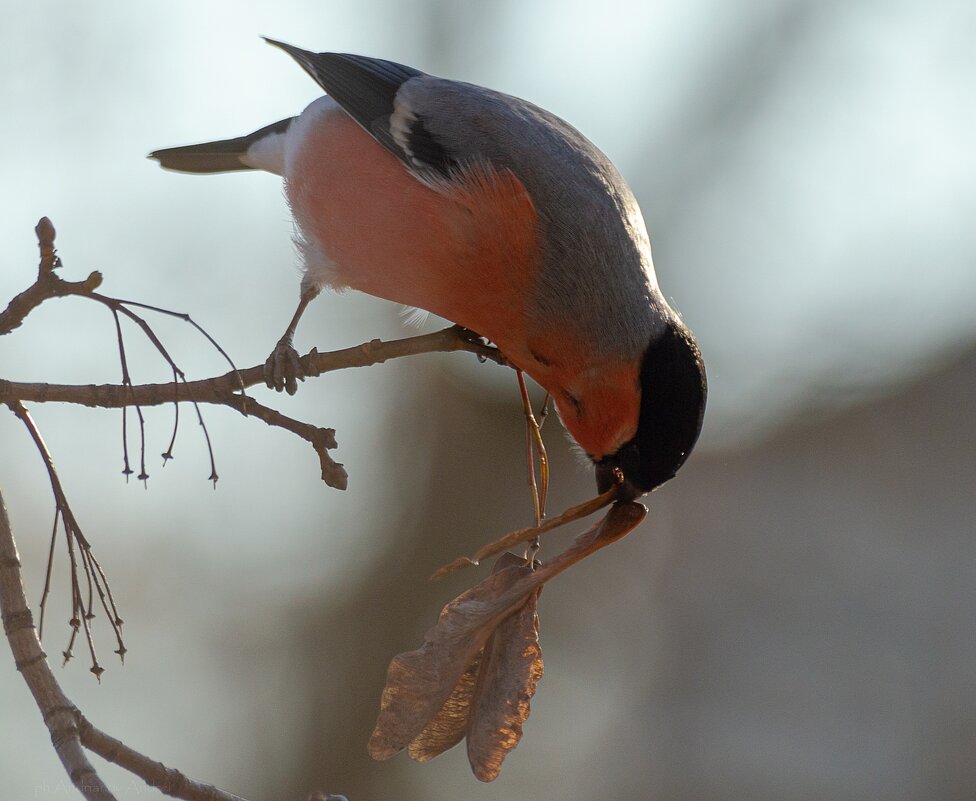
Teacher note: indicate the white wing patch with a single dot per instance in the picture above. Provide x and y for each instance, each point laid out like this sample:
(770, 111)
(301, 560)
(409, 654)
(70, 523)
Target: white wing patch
(402, 122)
(402, 118)
(423, 155)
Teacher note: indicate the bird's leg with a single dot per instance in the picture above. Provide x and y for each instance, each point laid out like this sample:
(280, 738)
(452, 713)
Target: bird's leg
(283, 370)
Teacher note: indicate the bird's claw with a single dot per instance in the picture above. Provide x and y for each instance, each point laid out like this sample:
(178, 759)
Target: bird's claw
(283, 369)
(470, 336)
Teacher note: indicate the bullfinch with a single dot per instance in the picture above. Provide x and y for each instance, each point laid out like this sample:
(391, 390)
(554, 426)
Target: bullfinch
(496, 214)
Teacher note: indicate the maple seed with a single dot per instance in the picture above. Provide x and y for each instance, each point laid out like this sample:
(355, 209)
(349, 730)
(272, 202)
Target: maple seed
(420, 682)
(479, 664)
(490, 701)
(510, 670)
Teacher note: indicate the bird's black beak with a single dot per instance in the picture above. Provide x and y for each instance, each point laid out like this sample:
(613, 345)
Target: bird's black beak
(618, 469)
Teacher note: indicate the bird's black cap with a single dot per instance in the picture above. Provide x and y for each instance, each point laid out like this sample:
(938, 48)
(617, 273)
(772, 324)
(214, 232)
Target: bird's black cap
(673, 392)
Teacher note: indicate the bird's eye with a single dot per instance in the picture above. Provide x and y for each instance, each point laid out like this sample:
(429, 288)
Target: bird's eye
(575, 402)
(543, 360)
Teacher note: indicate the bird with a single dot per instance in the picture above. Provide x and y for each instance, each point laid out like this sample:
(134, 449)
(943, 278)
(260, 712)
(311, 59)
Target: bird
(499, 216)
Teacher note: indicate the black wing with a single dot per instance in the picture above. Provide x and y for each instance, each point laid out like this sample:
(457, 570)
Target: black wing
(365, 88)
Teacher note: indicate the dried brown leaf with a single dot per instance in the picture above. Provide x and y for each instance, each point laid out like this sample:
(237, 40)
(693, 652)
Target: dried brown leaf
(420, 682)
(510, 670)
(449, 725)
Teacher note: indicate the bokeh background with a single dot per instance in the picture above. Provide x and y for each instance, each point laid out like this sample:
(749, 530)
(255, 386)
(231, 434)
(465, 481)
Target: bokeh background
(795, 620)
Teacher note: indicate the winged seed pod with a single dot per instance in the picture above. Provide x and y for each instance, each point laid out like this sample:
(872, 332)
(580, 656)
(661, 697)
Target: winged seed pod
(511, 666)
(479, 664)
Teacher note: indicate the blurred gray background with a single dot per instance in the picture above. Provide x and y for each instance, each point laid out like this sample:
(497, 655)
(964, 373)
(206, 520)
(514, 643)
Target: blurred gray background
(795, 620)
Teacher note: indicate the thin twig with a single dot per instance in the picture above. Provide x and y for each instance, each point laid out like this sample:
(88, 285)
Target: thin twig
(321, 439)
(118, 307)
(185, 318)
(81, 611)
(50, 570)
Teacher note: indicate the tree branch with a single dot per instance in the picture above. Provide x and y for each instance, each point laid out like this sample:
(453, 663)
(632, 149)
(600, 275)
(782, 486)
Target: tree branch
(216, 390)
(70, 731)
(48, 284)
(31, 661)
(223, 390)
(82, 610)
(168, 781)
(321, 439)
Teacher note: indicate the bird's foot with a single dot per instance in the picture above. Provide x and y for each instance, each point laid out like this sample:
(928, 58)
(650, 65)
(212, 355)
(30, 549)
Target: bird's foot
(283, 369)
(489, 351)
(470, 336)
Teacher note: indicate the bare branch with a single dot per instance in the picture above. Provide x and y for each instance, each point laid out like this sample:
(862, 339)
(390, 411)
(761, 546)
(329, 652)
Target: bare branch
(168, 781)
(48, 284)
(215, 390)
(31, 661)
(70, 730)
(223, 390)
(82, 611)
(321, 439)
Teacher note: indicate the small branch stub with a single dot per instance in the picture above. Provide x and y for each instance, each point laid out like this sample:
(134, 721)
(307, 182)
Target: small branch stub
(45, 241)
(48, 284)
